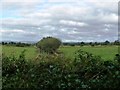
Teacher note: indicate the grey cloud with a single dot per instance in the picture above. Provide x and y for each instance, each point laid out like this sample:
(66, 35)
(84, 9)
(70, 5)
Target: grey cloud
(67, 21)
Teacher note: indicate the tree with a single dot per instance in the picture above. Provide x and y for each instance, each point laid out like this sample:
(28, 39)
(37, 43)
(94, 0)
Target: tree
(3, 43)
(106, 42)
(49, 44)
(96, 43)
(116, 42)
(82, 43)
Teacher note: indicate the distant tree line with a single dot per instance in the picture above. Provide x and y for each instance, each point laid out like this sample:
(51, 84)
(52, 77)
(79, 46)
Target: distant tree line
(116, 42)
(18, 44)
(21, 44)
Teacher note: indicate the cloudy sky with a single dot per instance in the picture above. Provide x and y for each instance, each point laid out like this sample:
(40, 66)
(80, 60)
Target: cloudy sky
(69, 20)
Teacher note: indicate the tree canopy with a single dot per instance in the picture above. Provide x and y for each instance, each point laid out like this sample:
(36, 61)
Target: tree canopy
(49, 44)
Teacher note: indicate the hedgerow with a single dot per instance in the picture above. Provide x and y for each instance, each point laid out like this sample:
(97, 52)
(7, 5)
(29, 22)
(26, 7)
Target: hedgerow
(58, 72)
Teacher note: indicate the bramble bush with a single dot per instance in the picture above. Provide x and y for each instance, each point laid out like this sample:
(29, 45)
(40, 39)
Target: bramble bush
(97, 73)
(58, 72)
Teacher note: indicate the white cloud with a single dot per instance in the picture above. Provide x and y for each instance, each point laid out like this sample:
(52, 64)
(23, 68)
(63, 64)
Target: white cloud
(72, 23)
(73, 32)
(63, 0)
(99, 35)
(106, 29)
(108, 25)
(25, 21)
(19, 2)
(63, 30)
(109, 18)
(36, 15)
(102, 1)
(16, 32)
(68, 11)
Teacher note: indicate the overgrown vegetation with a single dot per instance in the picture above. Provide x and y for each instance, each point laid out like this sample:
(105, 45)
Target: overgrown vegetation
(56, 72)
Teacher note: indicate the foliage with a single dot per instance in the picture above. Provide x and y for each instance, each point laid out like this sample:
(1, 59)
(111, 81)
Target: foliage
(95, 72)
(57, 72)
(18, 44)
(49, 44)
(105, 43)
(117, 58)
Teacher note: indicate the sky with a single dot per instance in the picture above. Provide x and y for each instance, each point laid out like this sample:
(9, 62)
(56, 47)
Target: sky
(68, 20)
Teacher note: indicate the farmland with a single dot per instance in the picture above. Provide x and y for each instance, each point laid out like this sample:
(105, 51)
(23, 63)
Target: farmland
(30, 53)
(106, 52)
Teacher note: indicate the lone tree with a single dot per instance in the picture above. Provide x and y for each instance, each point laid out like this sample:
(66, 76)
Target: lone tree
(49, 44)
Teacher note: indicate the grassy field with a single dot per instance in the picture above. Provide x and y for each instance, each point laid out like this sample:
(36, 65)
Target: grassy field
(106, 52)
(31, 52)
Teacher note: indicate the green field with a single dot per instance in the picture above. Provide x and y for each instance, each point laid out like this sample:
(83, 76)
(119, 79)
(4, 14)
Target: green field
(106, 52)
(31, 52)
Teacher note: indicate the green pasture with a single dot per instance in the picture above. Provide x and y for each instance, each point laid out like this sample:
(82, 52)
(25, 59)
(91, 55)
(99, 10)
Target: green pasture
(30, 52)
(106, 52)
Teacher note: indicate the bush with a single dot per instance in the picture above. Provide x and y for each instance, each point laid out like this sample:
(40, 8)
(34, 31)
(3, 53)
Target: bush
(117, 58)
(56, 72)
(49, 44)
(95, 72)
(14, 70)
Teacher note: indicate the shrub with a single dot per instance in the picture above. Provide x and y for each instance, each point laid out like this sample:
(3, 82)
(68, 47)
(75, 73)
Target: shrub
(95, 72)
(117, 58)
(49, 44)
(56, 72)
